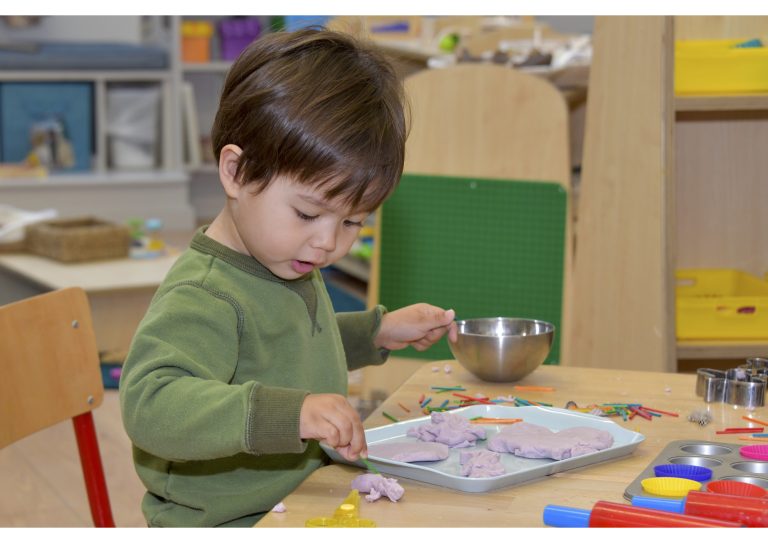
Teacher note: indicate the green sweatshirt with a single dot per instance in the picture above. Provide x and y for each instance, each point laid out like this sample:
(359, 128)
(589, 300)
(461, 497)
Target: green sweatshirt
(213, 385)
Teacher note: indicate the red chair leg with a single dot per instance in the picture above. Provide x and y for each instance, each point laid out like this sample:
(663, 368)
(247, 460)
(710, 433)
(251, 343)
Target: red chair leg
(90, 459)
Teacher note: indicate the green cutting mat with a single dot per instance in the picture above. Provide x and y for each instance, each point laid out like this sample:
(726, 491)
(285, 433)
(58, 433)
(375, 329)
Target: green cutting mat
(486, 248)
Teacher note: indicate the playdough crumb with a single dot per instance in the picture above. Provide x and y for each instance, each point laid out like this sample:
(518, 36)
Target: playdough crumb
(376, 486)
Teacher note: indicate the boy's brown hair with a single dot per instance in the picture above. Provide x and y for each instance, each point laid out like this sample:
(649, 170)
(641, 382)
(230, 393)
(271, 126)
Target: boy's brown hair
(319, 106)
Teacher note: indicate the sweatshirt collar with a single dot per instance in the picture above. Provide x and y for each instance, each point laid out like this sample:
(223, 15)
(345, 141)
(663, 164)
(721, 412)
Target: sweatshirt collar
(246, 263)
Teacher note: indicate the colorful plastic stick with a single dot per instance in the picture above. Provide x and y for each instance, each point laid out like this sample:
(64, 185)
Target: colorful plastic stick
(618, 515)
(744, 510)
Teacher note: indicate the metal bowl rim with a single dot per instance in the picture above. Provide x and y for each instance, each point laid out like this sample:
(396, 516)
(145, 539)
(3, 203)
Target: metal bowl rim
(551, 327)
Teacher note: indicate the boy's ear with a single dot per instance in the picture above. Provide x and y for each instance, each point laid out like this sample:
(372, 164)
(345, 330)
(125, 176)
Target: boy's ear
(228, 159)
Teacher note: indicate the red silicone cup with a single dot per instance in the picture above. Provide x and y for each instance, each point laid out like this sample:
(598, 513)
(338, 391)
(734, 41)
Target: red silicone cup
(755, 452)
(736, 488)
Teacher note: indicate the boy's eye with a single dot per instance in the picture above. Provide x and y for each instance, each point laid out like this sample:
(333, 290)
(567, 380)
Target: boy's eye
(353, 223)
(305, 217)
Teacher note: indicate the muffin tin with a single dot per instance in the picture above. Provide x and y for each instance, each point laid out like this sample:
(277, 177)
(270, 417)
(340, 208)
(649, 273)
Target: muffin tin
(722, 458)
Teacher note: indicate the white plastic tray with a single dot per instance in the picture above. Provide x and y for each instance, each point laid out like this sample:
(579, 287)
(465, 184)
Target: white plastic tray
(447, 472)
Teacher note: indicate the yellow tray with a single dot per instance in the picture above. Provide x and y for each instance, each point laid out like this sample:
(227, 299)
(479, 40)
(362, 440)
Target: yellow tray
(721, 304)
(718, 66)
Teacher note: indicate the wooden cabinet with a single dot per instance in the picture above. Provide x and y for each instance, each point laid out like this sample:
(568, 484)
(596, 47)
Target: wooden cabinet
(668, 182)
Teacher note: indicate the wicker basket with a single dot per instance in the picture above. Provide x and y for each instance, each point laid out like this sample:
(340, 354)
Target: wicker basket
(78, 239)
(13, 247)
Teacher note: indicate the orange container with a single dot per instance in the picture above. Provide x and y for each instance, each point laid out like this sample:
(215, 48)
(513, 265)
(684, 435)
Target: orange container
(196, 41)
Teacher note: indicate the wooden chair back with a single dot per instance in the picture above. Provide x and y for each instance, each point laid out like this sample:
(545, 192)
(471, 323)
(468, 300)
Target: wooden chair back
(50, 373)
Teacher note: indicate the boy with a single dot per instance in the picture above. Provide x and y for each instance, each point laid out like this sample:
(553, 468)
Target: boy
(239, 367)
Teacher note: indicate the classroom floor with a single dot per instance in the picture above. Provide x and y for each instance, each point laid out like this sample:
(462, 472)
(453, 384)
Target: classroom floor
(41, 482)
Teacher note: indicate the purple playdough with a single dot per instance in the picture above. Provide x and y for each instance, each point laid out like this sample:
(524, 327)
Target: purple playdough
(410, 452)
(534, 441)
(480, 463)
(376, 486)
(452, 430)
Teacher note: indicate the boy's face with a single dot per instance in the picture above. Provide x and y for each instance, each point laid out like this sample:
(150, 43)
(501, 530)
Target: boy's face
(292, 229)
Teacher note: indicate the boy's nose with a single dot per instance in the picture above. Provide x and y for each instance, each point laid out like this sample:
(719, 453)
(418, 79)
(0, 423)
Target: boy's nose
(324, 239)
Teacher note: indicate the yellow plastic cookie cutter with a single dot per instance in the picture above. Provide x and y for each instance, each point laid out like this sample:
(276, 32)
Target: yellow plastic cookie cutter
(346, 515)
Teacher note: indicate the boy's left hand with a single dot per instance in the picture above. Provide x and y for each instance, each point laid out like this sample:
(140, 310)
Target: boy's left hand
(418, 325)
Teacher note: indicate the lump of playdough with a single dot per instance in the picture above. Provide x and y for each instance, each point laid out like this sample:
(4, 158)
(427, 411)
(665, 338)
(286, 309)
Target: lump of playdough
(480, 463)
(279, 508)
(534, 441)
(376, 486)
(452, 430)
(410, 452)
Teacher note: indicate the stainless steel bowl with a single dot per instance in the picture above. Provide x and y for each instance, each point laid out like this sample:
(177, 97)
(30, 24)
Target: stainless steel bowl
(502, 349)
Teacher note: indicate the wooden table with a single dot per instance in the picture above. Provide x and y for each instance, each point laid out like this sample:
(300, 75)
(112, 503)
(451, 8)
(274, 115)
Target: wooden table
(425, 505)
(119, 290)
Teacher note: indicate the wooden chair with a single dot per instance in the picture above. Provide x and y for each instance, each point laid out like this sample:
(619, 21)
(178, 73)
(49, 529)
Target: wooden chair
(50, 373)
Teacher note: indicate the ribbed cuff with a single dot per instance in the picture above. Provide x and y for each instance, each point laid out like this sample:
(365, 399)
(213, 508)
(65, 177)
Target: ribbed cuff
(358, 330)
(272, 425)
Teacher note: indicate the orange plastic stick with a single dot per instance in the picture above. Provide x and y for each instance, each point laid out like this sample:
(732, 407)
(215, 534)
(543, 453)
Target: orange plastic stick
(750, 419)
(404, 408)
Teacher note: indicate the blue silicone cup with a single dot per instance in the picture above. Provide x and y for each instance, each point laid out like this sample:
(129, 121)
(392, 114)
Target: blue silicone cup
(695, 473)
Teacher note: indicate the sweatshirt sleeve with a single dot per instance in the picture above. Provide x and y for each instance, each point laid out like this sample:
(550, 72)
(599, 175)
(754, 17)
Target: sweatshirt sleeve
(358, 330)
(176, 394)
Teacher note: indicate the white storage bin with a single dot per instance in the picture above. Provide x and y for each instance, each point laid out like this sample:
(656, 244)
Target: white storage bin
(133, 126)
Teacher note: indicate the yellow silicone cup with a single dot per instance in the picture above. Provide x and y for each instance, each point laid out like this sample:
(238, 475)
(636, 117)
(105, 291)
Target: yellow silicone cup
(675, 487)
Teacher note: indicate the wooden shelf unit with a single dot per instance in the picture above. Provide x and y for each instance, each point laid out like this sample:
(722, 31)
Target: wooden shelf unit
(668, 182)
(736, 102)
(107, 191)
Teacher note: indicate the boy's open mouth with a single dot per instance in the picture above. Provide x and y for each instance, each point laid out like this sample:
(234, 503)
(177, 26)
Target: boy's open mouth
(302, 266)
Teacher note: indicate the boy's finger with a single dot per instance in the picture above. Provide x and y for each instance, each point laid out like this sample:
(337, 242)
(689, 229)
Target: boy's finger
(443, 320)
(345, 429)
(449, 316)
(453, 332)
(329, 433)
(358, 445)
(347, 453)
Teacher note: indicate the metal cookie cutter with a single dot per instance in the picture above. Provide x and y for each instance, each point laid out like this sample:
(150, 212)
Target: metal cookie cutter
(710, 384)
(743, 386)
(756, 366)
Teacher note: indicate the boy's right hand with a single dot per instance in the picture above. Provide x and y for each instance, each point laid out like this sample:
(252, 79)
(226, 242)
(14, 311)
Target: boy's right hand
(331, 419)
